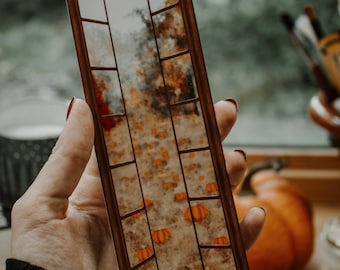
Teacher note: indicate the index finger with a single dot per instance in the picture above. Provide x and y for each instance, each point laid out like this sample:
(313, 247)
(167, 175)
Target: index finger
(226, 114)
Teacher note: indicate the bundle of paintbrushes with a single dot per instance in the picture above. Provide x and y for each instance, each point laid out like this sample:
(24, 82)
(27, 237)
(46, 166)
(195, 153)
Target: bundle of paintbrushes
(321, 51)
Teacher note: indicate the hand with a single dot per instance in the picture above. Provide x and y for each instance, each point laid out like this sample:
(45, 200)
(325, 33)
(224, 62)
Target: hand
(252, 223)
(61, 222)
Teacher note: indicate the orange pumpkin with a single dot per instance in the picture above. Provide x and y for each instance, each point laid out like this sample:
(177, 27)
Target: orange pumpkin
(144, 253)
(161, 236)
(199, 212)
(211, 187)
(286, 240)
(181, 196)
(223, 240)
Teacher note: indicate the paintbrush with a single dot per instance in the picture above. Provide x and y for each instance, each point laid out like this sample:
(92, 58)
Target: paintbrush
(311, 14)
(305, 32)
(303, 25)
(297, 38)
(322, 80)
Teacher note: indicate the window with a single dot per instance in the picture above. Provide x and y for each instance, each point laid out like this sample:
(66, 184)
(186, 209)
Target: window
(250, 57)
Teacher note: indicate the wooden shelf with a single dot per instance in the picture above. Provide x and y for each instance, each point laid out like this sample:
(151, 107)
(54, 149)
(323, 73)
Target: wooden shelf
(315, 171)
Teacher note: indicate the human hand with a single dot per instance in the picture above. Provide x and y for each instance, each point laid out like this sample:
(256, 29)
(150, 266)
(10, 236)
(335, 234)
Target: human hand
(61, 221)
(253, 221)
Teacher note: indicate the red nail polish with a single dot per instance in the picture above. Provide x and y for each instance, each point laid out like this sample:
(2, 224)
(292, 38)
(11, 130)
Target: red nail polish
(242, 152)
(70, 107)
(232, 101)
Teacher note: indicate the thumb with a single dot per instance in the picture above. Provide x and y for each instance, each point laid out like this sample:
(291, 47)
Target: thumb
(251, 226)
(61, 173)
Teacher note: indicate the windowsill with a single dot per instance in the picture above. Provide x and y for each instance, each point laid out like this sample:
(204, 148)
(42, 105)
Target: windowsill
(285, 132)
(315, 170)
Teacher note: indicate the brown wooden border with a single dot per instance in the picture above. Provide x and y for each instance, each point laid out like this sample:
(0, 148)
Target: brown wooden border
(213, 135)
(100, 146)
(211, 128)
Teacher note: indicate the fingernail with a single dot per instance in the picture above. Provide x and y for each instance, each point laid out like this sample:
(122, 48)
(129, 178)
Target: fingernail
(70, 107)
(241, 152)
(232, 101)
(263, 210)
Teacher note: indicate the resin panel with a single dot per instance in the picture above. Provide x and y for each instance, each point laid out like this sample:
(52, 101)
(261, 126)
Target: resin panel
(162, 166)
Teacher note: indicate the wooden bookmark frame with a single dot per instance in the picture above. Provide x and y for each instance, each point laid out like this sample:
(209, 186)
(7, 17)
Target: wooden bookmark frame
(167, 193)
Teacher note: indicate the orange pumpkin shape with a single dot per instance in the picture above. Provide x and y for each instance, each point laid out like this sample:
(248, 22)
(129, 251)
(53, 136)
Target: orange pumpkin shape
(211, 187)
(161, 236)
(144, 253)
(181, 196)
(199, 213)
(286, 240)
(221, 241)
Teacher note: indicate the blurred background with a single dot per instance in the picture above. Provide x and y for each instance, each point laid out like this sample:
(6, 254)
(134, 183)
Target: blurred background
(249, 56)
(248, 53)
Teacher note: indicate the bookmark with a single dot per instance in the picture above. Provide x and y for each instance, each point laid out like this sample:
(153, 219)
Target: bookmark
(168, 198)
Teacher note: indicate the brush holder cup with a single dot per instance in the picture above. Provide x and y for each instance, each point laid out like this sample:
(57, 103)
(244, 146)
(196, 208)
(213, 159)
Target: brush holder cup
(326, 116)
(330, 50)
(28, 131)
